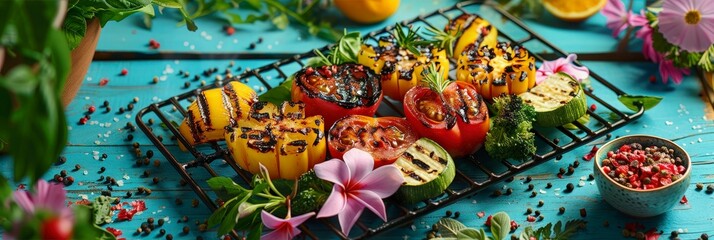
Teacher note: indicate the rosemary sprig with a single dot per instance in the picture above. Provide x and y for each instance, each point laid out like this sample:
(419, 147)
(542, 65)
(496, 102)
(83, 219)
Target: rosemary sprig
(443, 39)
(344, 51)
(409, 40)
(434, 78)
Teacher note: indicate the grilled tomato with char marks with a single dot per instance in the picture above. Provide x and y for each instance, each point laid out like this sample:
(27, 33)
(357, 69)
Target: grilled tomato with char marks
(503, 69)
(400, 59)
(335, 91)
(215, 109)
(386, 138)
(280, 137)
(452, 114)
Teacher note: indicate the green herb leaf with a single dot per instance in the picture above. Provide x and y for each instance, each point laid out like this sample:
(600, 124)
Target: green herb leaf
(471, 234)
(449, 227)
(527, 234)
(229, 221)
(443, 39)
(74, 27)
(500, 225)
(434, 78)
(281, 21)
(635, 102)
(225, 188)
(279, 94)
(345, 50)
(217, 216)
(557, 232)
(409, 40)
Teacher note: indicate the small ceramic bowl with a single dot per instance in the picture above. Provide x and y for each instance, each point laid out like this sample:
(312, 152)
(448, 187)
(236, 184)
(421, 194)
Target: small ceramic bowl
(635, 202)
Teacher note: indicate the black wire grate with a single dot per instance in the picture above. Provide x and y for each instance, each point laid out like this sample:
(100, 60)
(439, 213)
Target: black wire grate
(474, 173)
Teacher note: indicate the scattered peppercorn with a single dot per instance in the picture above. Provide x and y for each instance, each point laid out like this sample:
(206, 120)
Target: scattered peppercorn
(529, 179)
(169, 237)
(534, 194)
(448, 213)
(710, 188)
(102, 169)
(182, 182)
(576, 163)
(561, 210)
(548, 185)
(497, 193)
(700, 186)
(529, 210)
(136, 145)
(537, 212)
(129, 137)
(540, 218)
(558, 157)
(561, 170)
(148, 191)
(150, 153)
(162, 232)
(509, 191)
(106, 193)
(77, 167)
(540, 203)
(68, 180)
(571, 170)
(141, 190)
(674, 234)
(156, 180)
(147, 161)
(251, 46)
(121, 110)
(63, 173)
(530, 187)
(570, 187)
(128, 194)
(591, 177)
(157, 163)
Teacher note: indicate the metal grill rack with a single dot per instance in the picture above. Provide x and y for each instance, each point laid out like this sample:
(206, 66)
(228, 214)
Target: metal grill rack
(474, 173)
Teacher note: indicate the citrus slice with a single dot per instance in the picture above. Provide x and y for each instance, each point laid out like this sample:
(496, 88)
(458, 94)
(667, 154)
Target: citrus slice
(573, 11)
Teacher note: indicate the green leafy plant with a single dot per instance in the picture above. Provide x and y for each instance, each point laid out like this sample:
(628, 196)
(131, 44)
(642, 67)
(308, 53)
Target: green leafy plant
(308, 14)
(242, 207)
(500, 228)
(80, 11)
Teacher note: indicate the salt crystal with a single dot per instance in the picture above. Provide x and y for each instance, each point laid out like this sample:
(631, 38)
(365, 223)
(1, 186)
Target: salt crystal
(557, 189)
(192, 47)
(85, 172)
(543, 191)
(126, 176)
(107, 124)
(83, 196)
(96, 157)
(270, 46)
(413, 228)
(474, 202)
(644, 126)
(86, 98)
(219, 46)
(127, 116)
(116, 120)
(235, 40)
(690, 120)
(185, 44)
(505, 187)
(95, 152)
(583, 178)
(69, 128)
(97, 142)
(120, 183)
(581, 183)
(89, 79)
(668, 123)
(163, 77)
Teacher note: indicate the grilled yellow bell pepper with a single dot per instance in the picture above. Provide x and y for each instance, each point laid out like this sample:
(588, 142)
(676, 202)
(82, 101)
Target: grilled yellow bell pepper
(474, 31)
(503, 69)
(400, 61)
(280, 138)
(215, 109)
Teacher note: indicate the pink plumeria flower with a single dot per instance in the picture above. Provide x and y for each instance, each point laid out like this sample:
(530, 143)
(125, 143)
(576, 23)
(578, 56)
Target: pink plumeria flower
(668, 70)
(564, 65)
(357, 186)
(283, 228)
(618, 18)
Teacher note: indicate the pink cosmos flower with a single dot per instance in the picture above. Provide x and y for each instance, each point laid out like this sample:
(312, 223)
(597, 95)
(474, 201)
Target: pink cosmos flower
(357, 186)
(283, 228)
(47, 196)
(668, 70)
(618, 18)
(562, 65)
(688, 24)
(645, 33)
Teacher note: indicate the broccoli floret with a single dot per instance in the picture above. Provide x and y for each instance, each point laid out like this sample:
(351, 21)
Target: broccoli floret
(510, 136)
(312, 193)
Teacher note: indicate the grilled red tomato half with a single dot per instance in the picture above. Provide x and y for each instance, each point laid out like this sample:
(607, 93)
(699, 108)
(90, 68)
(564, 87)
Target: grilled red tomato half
(456, 117)
(336, 91)
(386, 138)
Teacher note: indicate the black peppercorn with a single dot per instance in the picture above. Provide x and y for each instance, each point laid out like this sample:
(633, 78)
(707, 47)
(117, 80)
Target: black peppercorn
(569, 187)
(162, 231)
(185, 230)
(102, 169)
(121, 110)
(149, 153)
(509, 191)
(169, 237)
(540, 203)
(561, 170)
(161, 222)
(497, 193)
(62, 160)
(534, 194)
(700, 186)
(674, 234)
(571, 170)
(448, 213)
(157, 163)
(63, 173)
(576, 163)
(128, 194)
(530, 187)
(583, 212)
(529, 211)
(529, 179)
(130, 106)
(537, 212)
(156, 180)
(77, 167)
(548, 185)
(106, 193)
(561, 210)
(457, 214)
(194, 202)
(136, 145)
(106, 103)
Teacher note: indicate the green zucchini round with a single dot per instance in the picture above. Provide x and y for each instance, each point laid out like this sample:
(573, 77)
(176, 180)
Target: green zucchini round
(428, 170)
(558, 100)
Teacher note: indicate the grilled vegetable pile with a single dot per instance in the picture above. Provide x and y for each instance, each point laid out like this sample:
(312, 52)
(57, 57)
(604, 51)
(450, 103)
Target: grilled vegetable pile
(503, 69)
(280, 138)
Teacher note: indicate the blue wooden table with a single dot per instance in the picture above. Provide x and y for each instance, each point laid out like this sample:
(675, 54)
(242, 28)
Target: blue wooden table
(681, 114)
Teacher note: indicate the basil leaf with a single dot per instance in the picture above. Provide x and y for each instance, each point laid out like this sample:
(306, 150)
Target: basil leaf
(229, 222)
(255, 232)
(217, 216)
(449, 227)
(471, 234)
(500, 225)
(279, 94)
(634, 102)
(225, 188)
(74, 27)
